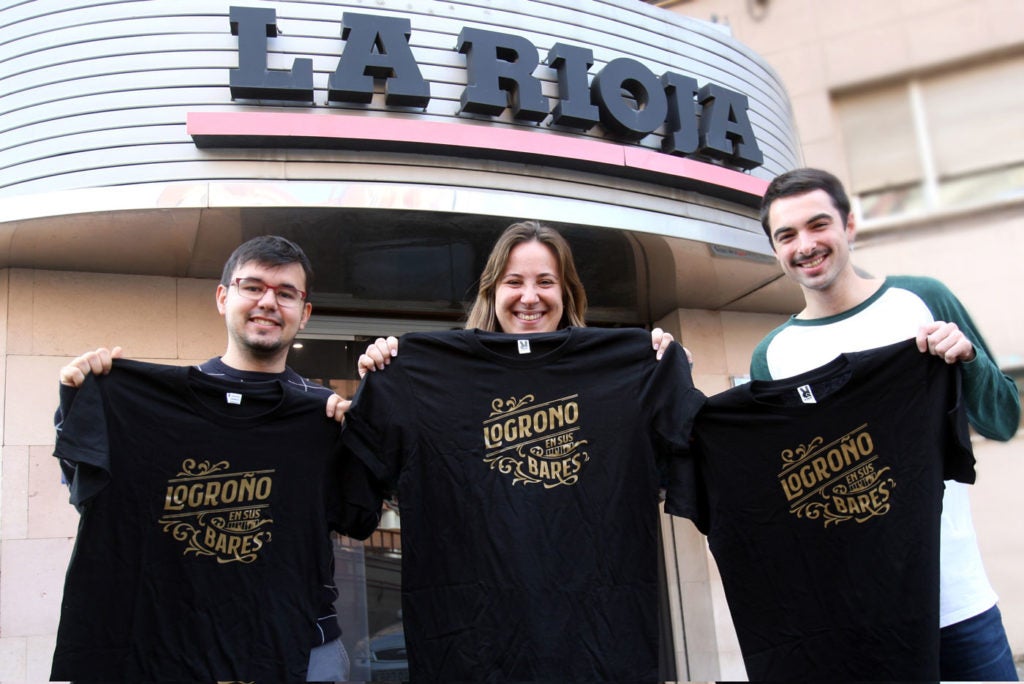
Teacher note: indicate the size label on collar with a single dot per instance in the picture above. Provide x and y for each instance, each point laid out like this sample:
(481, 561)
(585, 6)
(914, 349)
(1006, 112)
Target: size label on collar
(233, 398)
(524, 346)
(806, 395)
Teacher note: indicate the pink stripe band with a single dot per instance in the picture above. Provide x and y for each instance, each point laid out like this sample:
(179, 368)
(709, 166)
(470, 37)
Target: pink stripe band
(339, 131)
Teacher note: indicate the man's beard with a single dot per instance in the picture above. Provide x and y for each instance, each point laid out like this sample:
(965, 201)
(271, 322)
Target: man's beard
(262, 349)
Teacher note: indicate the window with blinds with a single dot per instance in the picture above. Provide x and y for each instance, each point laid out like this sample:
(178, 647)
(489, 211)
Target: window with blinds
(938, 141)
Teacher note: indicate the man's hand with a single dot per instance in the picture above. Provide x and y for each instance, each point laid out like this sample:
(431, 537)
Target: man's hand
(378, 354)
(945, 340)
(337, 405)
(98, 362)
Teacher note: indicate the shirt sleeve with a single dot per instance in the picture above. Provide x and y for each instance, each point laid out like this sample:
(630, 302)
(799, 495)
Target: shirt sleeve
(357, 510)
(82, 445)
(373, 434)
(958, 460)
(674, 399)
(678, 403)
(67, 395)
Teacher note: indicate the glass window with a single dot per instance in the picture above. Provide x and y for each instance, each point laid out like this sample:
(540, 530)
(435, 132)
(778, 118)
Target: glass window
(878, 135)
(974, 117)
(938, 141)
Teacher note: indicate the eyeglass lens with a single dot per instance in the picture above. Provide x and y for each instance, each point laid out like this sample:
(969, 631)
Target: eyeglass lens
(252, 288)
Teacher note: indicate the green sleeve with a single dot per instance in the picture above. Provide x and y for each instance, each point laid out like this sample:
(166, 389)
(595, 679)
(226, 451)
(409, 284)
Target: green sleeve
(759, 358)
(993, 400)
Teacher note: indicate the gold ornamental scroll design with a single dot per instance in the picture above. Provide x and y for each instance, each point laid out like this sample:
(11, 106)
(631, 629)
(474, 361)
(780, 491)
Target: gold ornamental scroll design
(219, 513)
(837, 482)
(535, 443)
(502, 406)
(193, 468)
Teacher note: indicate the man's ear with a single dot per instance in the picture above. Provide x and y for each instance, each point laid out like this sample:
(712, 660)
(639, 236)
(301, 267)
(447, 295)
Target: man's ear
(851, 228)
(221, 297)
(307, 309)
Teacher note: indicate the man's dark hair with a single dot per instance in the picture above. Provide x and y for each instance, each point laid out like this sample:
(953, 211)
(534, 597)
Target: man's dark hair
(270, 251)
(800, 182)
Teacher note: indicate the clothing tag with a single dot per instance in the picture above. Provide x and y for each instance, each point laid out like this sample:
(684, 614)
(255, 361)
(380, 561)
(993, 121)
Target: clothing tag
(524, 346)
(806, 395)
(233, 398)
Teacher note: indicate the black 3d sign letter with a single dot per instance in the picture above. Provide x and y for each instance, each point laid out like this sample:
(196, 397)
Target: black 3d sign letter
(499, 74)
(725, 130)
(681, 126)
(574, 107)
(252, 79)
(617, 113)
(377, 47)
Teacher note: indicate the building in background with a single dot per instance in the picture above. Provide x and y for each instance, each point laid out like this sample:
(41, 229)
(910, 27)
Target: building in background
(917, 106)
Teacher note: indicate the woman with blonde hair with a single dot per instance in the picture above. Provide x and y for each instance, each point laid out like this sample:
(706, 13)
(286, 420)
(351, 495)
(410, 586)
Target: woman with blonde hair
(511, 246)
(526, 452)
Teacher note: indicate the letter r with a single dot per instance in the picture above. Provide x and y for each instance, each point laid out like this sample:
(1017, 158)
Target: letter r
(499, 74)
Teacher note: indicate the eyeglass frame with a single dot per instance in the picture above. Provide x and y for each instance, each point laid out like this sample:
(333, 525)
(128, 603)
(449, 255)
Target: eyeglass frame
(274, 288)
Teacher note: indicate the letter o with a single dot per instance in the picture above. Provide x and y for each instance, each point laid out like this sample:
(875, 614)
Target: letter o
(617, 114)
(865, 444)
(263, 486)
(495, 434)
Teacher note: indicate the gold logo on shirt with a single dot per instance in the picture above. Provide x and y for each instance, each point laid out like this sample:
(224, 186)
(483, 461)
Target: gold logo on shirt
(217, 512)
(535, 443)
(839, 481)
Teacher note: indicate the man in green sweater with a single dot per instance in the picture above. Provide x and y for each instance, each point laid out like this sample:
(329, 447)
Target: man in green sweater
(806, 215)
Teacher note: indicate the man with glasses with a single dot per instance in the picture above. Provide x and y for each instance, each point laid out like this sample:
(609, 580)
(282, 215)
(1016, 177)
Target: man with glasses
(262, 296)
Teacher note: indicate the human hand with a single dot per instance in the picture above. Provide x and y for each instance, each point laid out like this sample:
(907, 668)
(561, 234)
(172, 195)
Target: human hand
(377, 355)
(945, 340)
(337, 405)
(98, 362)
(660, 340)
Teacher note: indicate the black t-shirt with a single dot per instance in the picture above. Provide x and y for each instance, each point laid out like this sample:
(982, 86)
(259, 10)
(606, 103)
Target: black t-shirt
(821, 495)
(527, 472)
(205, 505)
(327, 627)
